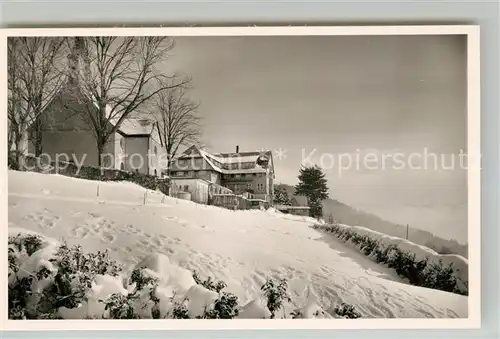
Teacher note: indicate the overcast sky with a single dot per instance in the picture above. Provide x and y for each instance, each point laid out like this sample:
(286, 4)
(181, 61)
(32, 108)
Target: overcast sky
(339, 95)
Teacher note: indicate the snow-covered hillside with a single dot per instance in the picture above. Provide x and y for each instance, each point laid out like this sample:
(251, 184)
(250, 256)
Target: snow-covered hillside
(241, 248)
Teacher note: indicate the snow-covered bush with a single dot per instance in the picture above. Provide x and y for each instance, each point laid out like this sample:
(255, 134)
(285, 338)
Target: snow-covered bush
(224, 307)
(419, 271)
(44, 279)
(276, 294)
(70, 169)
(179, 309)
(50, 280)
(209, 284)
(347, 311)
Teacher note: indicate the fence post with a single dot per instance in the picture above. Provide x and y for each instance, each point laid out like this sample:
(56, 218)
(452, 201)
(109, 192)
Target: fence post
(407, 227)
(97, 189)
(145, 194)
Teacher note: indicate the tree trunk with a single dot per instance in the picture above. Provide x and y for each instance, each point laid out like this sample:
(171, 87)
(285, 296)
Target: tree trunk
(100, 149)
(169, 165)
(37, 133)
(19, 152)
(10, 139)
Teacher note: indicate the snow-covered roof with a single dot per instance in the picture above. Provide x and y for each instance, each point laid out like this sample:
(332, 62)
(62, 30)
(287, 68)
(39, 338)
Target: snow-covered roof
(233, 160)
(133, 126)
(222, 162)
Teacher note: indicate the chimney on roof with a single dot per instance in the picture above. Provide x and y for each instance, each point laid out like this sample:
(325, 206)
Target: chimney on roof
(237, 149)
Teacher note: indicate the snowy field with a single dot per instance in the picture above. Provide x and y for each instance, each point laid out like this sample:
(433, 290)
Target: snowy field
(242, 248)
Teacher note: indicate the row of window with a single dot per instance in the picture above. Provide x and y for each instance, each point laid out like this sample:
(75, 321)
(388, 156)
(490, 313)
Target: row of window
(242, 175)
(216, 190)
(188, 173)
(244, 187)
(184, 188)
(198, 162)
(239, 175)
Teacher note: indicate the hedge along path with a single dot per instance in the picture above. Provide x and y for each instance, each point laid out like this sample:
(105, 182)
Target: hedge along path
(70, 169)
(420, 265)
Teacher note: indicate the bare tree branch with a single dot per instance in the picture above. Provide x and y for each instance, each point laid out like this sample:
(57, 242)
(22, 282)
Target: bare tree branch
(177, 120)
(119, 76)
(35, 75)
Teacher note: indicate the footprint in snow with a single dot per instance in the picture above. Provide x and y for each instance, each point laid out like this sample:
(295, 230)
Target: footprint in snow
(144, 242)
(108, 237)
(275, 271)
(43, 219)
(157, 242)
(132, 230)
(80, 233)
(170, 251)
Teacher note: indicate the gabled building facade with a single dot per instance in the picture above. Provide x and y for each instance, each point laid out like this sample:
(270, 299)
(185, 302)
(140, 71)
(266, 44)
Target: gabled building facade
(66, 129)
(134, 146)
(244, 173)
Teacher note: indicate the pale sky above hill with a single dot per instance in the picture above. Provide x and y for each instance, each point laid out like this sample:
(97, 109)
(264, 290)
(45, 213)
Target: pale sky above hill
(392, 94)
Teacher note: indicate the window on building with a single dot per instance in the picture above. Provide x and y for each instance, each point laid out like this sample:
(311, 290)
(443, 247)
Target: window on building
(238, 175)
(179, 174)
(198, 163)
(186, 188)
(156, 151)
(122, 166)
(232, 175)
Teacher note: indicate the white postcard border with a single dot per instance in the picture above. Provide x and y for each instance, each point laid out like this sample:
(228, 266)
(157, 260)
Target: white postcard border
(474, 184)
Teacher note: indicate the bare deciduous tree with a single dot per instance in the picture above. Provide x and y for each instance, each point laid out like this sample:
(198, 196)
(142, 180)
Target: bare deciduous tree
(177, 120)
(119, 76)
(35, 75)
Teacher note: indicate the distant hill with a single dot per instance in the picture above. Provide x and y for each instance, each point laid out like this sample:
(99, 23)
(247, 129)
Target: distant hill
(348, 215)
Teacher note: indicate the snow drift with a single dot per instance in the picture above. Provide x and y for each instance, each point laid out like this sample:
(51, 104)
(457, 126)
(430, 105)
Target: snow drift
(241, 248)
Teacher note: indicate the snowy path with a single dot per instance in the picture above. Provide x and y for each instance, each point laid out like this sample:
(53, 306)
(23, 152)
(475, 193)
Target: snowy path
(240, 247)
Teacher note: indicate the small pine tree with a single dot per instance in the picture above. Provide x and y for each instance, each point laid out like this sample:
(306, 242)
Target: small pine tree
(281, 196)
(312, 184)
